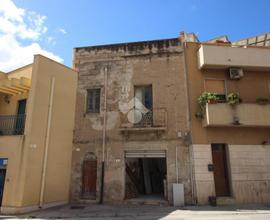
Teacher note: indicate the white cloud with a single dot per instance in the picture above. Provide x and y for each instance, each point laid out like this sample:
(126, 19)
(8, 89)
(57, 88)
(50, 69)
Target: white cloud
(10, 11)
(14, 55)
(62, 30)
(16, 25)
(51, 40)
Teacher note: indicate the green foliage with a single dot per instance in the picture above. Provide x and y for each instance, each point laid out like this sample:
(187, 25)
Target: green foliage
(204, 98)
(233, 99)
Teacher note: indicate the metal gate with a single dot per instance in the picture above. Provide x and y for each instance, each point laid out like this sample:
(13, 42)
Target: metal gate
(145, 154)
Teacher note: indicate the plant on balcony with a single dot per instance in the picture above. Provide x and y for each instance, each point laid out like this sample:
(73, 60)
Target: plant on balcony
(262, 100)
(233, 99)
(204, 98)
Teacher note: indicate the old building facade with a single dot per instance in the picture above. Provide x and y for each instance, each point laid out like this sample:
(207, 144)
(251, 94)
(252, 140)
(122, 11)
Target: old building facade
(146, 148)
(155, 136)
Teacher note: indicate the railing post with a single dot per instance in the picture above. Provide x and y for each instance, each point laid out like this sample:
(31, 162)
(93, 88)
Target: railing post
(12, 124)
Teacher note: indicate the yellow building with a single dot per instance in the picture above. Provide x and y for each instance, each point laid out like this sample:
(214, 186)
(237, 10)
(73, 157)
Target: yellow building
(230, 134)
(37, 107)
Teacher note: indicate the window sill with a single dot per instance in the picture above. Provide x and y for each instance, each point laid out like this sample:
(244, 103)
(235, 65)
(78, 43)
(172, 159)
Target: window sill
(91, 114)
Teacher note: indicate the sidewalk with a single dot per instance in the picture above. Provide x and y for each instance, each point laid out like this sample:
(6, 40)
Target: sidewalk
(81, 211)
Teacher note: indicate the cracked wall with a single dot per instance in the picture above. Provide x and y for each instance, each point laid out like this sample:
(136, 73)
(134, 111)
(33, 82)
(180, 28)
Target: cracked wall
(159, 63)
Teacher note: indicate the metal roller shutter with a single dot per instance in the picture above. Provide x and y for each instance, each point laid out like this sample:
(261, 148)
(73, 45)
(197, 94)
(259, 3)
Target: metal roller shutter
(145, 154)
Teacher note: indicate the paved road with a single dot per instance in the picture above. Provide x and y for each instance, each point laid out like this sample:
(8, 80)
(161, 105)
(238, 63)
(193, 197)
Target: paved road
(134, 212)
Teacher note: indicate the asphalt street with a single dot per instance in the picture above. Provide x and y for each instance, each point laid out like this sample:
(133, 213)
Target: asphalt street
(121, 212)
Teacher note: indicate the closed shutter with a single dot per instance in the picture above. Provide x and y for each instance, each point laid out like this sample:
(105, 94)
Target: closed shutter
(146, 154)
(215, 86)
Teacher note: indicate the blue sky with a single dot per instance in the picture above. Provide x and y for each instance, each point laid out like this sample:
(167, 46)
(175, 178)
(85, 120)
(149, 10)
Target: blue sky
(63, 25)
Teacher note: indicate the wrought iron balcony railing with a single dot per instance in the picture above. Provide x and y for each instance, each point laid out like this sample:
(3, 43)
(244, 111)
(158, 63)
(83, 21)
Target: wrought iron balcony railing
(154, 118)
(12, 124)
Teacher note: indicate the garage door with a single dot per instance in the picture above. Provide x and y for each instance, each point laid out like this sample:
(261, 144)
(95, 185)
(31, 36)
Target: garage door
(145, 154)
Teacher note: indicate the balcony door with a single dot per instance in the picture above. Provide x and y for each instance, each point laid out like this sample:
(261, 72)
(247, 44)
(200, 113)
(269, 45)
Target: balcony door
(2, 183)
(20, 118)
(144, 105)
(144, 95)
(3, 166)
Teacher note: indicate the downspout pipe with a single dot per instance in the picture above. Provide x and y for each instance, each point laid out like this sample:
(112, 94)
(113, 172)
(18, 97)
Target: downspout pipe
(176, 164)
(189, 125)
(47, 140)
(104, 135)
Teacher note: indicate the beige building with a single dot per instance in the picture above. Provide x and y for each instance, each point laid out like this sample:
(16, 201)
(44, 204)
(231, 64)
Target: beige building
(37, 105)
(140, 89)
(230, 142)
(140, 135)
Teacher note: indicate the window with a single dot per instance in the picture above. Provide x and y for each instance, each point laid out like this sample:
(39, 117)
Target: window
(144, 95)
(143, 104)
(216, 86)
(93, 101)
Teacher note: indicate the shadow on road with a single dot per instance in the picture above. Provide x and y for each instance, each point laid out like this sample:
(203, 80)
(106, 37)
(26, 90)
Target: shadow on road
(94, 211)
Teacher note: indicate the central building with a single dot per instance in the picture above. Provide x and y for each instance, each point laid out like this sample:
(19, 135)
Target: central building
(131, 114)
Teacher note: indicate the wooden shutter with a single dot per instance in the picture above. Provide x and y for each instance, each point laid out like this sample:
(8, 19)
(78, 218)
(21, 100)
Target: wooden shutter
(93, 100)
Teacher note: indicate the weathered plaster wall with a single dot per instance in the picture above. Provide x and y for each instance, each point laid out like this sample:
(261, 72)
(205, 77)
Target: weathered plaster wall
(159, 63)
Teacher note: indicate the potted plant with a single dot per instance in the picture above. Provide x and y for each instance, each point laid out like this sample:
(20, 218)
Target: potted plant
(233, 99)
(204, 98)
(262, 100)
(207, 97)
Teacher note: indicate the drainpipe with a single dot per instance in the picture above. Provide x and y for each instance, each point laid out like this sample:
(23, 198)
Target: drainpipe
(104, 134)
(47, 139)
(189, 125)
(176, 164)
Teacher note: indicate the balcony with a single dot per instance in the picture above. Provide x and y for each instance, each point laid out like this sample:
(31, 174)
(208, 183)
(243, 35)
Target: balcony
(15, 86)
(241, 115)
(153, 120)
(12, 124)
(252, 58)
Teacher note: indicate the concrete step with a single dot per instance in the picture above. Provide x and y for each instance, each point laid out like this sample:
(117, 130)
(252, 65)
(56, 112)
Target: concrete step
(226, 200)
(154, 202)
(87, 201)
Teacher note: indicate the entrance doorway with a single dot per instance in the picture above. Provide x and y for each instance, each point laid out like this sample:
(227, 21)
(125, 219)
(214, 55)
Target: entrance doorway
(145, 176)
(221, 176)
(3, 168)
(89, 179)
(20, 118)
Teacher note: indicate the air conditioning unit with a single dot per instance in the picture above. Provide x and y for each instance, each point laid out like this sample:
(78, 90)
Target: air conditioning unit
(236, 73)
